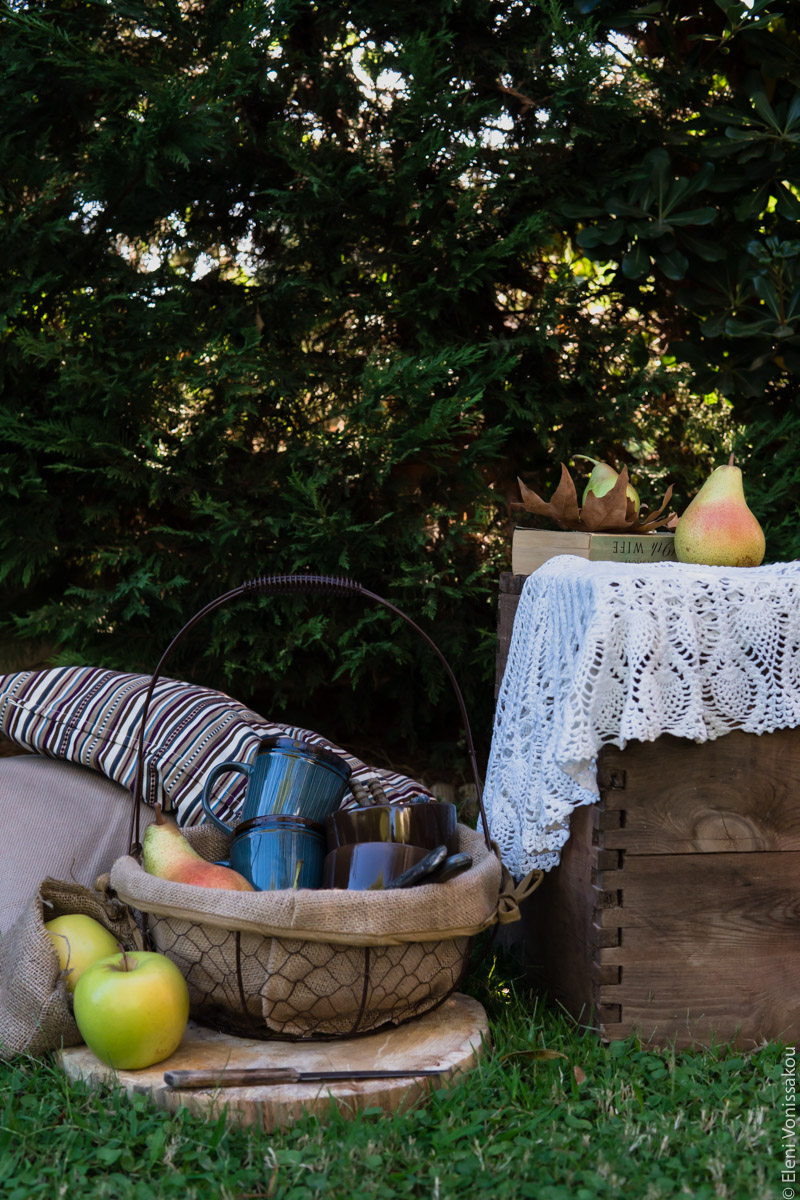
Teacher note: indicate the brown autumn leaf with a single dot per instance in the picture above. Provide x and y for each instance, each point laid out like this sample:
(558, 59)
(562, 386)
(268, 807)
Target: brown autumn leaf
(652, 520)
(562, 506)
(579, 1074)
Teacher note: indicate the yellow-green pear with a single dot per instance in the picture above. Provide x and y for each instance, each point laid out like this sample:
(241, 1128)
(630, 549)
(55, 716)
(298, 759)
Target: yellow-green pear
(602, 480)
(168, 854)
(717, 528)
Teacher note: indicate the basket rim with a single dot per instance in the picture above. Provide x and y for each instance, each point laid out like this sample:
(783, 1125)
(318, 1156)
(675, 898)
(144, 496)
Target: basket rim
(425, 913)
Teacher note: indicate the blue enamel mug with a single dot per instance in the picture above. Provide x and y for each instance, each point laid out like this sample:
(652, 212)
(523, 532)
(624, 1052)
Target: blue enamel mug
(287, 777)
(279, 852)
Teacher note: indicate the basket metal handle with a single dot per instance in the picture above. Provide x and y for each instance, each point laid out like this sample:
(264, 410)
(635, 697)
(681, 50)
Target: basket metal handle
(332, 585)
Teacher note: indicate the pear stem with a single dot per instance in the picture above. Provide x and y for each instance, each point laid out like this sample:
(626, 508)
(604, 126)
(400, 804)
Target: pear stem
(159, 815)
(730, 460)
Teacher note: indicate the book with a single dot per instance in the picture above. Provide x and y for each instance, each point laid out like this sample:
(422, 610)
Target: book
(530, 548)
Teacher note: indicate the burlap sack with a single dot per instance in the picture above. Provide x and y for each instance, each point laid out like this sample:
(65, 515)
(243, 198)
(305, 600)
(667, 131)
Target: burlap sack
(35, 1006)
(311, 963)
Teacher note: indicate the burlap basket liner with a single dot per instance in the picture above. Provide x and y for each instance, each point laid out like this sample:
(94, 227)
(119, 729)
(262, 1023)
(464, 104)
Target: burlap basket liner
(315, 963)
(35, 1006)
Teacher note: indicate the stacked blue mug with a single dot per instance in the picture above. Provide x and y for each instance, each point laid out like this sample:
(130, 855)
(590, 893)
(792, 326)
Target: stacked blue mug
(292, 787)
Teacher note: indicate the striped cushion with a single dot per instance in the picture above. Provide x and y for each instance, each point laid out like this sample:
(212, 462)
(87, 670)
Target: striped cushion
(91, 716)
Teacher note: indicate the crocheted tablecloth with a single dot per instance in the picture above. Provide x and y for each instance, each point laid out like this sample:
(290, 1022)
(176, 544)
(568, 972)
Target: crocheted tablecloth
(610, 652)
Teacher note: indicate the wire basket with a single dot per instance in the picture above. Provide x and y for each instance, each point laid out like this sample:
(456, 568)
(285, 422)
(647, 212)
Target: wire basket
(314, 964)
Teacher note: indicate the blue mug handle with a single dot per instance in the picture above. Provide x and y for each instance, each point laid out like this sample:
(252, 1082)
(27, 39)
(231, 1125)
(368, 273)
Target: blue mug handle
(216, 771)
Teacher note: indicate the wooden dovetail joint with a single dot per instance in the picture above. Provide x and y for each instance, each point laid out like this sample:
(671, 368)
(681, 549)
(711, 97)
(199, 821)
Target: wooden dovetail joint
(607, 912)
(606, 939)
(608, 974)
(612, 819)
(611, 779)
(608, 918)
(609, 1014)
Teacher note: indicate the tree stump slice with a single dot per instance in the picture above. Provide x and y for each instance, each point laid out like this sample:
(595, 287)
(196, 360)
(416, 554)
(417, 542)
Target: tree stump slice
(452, 1038)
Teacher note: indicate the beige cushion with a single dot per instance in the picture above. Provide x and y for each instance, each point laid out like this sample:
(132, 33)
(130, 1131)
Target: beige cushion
(56, 819)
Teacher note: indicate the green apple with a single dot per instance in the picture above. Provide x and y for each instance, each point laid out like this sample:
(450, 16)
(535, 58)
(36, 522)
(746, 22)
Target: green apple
(132, 1009)
(80, 941)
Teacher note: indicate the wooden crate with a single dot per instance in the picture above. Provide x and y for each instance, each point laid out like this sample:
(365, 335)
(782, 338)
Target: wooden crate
(675, 911)
(507, 601)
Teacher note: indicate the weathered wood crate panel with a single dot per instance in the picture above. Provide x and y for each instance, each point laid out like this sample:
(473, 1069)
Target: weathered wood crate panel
(507, 601)
(675, 911)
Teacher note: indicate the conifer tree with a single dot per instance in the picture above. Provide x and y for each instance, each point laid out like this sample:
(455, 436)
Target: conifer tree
(307, 286)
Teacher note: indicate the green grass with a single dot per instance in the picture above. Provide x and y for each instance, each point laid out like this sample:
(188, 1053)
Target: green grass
(620, 1121)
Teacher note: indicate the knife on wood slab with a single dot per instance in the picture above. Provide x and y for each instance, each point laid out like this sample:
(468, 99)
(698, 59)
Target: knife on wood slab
(264, 1076)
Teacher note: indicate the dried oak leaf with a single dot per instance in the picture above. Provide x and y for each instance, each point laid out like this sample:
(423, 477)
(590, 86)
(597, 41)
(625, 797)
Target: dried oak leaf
(562, 507)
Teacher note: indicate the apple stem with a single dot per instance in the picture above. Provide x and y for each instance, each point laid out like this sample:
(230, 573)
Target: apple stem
(126, 965)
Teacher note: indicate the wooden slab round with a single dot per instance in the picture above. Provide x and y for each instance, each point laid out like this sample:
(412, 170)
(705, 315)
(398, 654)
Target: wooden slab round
(452, 1038)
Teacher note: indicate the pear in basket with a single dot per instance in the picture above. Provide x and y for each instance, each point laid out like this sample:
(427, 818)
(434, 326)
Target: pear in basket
(167, 854)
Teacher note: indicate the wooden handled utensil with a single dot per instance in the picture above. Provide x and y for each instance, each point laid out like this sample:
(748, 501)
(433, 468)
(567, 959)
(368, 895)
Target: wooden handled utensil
(266, 1076)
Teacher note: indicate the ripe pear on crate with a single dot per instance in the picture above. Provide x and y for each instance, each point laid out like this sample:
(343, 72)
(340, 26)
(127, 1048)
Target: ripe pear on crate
(718, 529)
(602, 480)
(167, 854)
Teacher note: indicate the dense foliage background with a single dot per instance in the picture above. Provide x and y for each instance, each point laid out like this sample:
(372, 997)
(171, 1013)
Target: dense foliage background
(300, 286)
